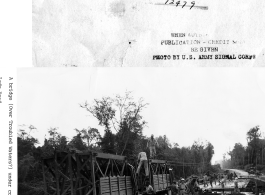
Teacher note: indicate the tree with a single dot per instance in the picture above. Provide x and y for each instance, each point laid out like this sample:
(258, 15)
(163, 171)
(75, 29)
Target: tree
(101, 110)
(253, 137)
(210, 152)
(78, 143)
(29, 169)
(55, 136)
(108, 142)
(237, 154)
(121, 114)
(91, 135)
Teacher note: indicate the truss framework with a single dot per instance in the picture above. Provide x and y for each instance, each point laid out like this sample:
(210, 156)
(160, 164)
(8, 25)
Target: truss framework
(79, 173)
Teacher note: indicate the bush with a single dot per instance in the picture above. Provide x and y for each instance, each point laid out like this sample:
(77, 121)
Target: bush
(247, 167)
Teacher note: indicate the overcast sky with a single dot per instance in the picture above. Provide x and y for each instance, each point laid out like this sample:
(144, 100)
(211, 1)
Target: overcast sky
(219, 105)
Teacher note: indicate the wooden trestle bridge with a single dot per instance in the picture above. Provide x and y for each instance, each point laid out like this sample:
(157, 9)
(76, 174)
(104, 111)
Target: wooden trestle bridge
(93, 173)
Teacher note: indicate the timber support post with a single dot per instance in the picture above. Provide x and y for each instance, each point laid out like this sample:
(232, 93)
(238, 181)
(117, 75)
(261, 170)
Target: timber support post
(56, 174)
(71, 173)
(93, 173)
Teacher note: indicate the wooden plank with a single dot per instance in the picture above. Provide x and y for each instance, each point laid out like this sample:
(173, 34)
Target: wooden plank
(158, 181)
(116, 189)
(130, 192)
(157, 161)
(110, 186)
(162, 181)
(110, 156)
(167, 178)
(115, 184)
(126, 191)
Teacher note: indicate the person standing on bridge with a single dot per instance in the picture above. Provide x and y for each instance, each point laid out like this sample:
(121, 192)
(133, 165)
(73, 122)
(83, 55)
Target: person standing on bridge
(214, 178)
(151, 144)
(142, 160)
(174, 188)
(205, 178)
(225, 179)
(235, 175)
(211, 180)
(182, 187)
(149, 188)
(236, 188)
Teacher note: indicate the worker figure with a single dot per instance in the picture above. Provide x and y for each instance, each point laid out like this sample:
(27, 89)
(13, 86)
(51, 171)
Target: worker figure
(219, 178)
(214, 178)
(174, 188)
(223, 182)
(235, 175)
(151, 144)
(182, 186)
(205, 180)
(211, 180)
(236, 188)
(143, 160)
(225, 179)
(230, 176)
(149, 188)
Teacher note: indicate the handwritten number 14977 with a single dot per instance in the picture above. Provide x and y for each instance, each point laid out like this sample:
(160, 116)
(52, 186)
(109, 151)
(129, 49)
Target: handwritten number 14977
(178, 3)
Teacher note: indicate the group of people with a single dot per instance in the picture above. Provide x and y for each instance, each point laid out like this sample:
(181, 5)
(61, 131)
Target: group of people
(191, 186)
(220, 178)
(183, 186)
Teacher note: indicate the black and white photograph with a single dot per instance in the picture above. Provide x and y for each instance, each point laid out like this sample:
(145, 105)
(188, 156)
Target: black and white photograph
(143, 97)
(107, 131)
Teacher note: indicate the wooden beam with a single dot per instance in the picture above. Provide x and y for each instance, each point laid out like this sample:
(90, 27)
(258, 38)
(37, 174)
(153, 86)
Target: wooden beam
(89, 191)
(122, 170)
(107, 167)
(71, 173)
(57, 175)
(99, 169)
(118, 178)
(117, 167)
(111, 167)
(93, 175)
(78, 173)
(82, 166)
(110, 188)
(126, 186)
(157, 161)
(110, 156)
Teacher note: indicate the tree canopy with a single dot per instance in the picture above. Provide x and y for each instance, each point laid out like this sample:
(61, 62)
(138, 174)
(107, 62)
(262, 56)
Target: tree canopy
(251, 155)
